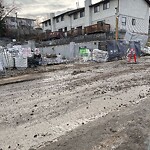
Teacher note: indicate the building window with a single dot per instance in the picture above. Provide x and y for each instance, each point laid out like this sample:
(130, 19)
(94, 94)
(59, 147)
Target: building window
(75, 16)
(101, 22)
(48, 31)
(60, 30)
(62, 18)
(12, 19)
(28, 22)
(57, 20)
(133, 22)
(49, 22)
(65, 29)
(106, 6)
(96, 9)
(80, 27)
(124, 21)
(46, 24)
(82, 14)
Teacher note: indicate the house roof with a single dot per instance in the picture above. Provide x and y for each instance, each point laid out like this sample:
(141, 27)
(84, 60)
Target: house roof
(104, 1)
(148, 2)
(66, 13)
(63, 14)
(70, 12)
(45, 20)
(21, 18)
(76, 11)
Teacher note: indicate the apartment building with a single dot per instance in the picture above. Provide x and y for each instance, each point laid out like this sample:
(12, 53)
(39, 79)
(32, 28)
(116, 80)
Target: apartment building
(133, 16)
(14, 23)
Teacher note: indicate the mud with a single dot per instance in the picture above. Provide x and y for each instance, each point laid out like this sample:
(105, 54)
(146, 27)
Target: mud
(77, 106)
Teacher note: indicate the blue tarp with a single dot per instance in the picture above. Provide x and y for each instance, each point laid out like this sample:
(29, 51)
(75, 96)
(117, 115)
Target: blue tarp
(118, 49)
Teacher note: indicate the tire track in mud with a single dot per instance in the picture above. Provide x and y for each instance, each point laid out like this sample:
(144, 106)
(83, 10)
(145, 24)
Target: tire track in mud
(60, 106)
(128, 129)
(90, 96)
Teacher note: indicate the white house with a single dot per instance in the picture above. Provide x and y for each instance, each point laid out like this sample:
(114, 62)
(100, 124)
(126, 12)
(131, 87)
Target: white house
(133, 16)
(13, 22)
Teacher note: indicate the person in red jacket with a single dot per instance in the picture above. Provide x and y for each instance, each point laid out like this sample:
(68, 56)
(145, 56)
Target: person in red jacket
(131, 54)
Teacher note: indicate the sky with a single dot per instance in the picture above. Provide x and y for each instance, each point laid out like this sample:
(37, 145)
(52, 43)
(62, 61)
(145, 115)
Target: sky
(42, 8)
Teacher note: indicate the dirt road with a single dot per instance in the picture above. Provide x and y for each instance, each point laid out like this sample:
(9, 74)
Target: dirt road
(78, 107)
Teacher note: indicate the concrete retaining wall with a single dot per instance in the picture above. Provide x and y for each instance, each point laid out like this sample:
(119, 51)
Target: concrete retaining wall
(69, 50)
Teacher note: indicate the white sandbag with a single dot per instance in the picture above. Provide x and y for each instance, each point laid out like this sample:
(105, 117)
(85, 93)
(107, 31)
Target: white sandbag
(100, 55)
(1, 66)
(7, 59)
(21, 62)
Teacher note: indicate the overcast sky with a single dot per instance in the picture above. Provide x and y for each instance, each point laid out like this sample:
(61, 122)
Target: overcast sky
(35, 8)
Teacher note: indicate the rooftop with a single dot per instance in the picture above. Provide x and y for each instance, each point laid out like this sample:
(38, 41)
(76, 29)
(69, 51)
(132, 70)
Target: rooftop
(20, 18)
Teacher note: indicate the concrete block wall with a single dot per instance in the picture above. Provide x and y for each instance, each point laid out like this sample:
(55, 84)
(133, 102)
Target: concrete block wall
(67, 51)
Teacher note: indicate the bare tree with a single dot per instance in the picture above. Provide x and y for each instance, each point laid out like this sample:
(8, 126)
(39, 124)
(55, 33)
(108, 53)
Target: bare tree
(6, 9)
(37, 23)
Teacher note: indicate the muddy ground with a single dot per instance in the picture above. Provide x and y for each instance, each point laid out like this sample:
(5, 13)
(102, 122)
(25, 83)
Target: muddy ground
(77, 106)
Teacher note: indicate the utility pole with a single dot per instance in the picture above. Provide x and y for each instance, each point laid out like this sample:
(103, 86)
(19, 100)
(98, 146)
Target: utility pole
(117, 21)
(17, 26)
